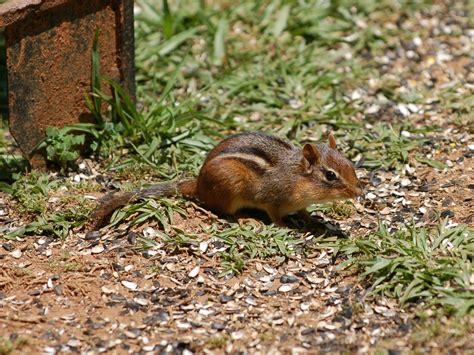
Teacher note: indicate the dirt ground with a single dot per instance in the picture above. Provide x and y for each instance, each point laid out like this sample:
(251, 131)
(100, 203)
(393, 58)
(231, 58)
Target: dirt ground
(108, 294)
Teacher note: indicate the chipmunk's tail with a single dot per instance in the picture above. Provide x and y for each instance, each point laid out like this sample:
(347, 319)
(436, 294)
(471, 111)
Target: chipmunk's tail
(186, 188)
(110, 202)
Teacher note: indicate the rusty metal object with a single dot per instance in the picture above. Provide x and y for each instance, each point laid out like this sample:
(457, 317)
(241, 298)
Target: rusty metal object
(49, 44)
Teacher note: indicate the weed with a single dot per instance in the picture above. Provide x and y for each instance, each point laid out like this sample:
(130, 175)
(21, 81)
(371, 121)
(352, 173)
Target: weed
(22, 271)
(154, 268)
(337, 210)
(11, 165)
(163, 212)
(6, 346)
(443, 330)
(31, 191)
(383, 146)
(434, 266)
(430, 162)
(62, 145)
(52, 215)
(63, 263)
(267, 337)
(246, 242)
(218, 341)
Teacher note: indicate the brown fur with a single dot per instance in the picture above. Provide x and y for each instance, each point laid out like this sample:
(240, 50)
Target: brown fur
(257, 171)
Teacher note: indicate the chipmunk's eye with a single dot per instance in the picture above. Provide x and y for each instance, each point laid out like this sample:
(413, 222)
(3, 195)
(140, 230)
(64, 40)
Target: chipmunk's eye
(330, 175)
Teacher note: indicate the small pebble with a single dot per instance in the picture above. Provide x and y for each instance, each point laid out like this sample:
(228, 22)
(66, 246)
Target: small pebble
(149, 232)
(409, 170)
(371, 196)
(375, 181)
(170, 267)
(372, 109)
(99, 248)
(237, 335)
(417, 41)
(206, 312)
(251, 300)
(356, 95)
(295, 104)
(447, 214)
(194, 272)
(270, 293)
(142, 301)
(405, 182)
(218, 326)
(223, 298)
(315, 279)
(308, 331)
(285, 288)
(403, 110)
(8, 246)
(106, 290)
(305, 306)
(16, 253)
(34, 293)
(183, 325)
(269, 269)
(73, 343)
(413, 108)
(203, 246)
(132, 238)
(386, 211)
(288, 279)
(130, 285)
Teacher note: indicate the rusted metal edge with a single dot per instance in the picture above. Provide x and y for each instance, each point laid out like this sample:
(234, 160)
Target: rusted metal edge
(126, 47)
(16, 10)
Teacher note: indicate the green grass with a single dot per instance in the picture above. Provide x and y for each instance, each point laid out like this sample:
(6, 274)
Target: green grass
(208, 70)
(6, 346)
(11, 164)
(53, 206)
(417, 264)
(63, 263)
(239, 243)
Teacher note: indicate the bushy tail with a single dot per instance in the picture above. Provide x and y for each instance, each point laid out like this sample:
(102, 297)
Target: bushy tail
(110, 202)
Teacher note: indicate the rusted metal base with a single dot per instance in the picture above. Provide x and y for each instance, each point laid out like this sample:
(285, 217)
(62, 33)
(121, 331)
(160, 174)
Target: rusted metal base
(49, 44)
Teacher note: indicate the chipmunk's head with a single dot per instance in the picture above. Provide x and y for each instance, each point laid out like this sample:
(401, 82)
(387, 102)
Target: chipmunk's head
(333, 175)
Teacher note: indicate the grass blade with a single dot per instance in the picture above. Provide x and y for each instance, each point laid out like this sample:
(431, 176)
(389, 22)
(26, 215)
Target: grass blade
(173, 43)
(167, 20)
(281, 21)
(219, 41)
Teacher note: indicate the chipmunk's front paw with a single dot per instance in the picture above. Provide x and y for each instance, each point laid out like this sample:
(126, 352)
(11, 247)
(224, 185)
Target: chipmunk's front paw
(245, 221)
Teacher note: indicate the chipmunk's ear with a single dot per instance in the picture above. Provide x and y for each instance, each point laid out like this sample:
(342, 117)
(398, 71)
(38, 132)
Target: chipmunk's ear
(311, 157)
(332, 141)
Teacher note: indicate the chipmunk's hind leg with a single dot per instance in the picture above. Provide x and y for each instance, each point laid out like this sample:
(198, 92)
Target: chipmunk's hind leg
(275, 216)
(223, 186)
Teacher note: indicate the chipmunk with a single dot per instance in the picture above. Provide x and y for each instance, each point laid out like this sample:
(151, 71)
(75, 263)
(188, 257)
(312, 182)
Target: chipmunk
(256, 170)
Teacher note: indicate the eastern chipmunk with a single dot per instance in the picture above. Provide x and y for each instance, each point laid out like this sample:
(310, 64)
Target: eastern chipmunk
(255, 170)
